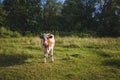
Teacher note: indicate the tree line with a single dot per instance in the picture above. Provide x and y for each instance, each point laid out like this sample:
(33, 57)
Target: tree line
(96, 16)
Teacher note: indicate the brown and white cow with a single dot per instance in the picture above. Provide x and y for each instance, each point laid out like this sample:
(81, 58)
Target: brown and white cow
(48, 42)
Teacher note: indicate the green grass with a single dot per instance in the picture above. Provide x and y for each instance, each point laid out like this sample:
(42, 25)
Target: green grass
(75, 59)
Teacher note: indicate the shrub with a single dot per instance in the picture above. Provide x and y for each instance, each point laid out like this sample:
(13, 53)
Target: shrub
(5, 33)
(16, 34)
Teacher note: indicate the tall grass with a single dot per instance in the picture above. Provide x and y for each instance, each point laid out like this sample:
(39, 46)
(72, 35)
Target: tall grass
(75, 59)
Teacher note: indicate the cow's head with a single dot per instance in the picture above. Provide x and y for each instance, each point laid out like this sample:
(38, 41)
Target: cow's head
(47, 39)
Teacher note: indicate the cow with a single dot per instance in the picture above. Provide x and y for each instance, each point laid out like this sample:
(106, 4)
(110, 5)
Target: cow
(48, 43)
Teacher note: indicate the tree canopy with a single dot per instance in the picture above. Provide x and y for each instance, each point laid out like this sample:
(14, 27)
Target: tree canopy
(99, 16)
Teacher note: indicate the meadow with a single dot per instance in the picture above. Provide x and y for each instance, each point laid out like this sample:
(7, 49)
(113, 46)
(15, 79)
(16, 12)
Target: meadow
(76, 58)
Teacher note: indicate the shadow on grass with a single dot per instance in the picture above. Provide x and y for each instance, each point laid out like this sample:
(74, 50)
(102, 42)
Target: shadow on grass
(73, 56)
(104, 54)
(93, 47)
(71, 46)
(77, 56)
(70, 76)
(33, 48)
(112, 62)
(13, 59)
(101, 53)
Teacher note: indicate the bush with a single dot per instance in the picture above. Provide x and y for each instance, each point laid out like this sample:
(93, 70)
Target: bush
(6, 33)
(16, 34)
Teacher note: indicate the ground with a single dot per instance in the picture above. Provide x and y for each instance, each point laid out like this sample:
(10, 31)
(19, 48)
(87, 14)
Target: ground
(75, 59)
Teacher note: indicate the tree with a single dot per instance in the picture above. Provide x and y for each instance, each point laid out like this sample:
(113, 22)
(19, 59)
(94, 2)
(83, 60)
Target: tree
(2, 15)
(22, 14)
(109, 17)
(32, 15)
(78, 14)
(51, 11)
(72, 13)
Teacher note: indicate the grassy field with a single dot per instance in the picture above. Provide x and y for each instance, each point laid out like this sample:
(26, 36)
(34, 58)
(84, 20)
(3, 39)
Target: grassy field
(75, 59)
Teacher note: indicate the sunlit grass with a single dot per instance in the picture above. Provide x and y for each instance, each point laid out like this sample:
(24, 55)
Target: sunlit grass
(75, 59)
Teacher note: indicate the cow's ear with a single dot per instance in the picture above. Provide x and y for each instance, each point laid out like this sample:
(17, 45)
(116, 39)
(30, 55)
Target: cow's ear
(50, 36)
(41, 36)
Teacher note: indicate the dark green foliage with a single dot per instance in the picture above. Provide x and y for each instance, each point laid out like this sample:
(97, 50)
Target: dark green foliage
(22, 15)
(2, 15)
(80, 16)
(78, 13)
(109, 18)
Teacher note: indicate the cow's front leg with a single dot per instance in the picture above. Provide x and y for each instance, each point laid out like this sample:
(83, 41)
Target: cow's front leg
(51, 55)
(45, 56)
